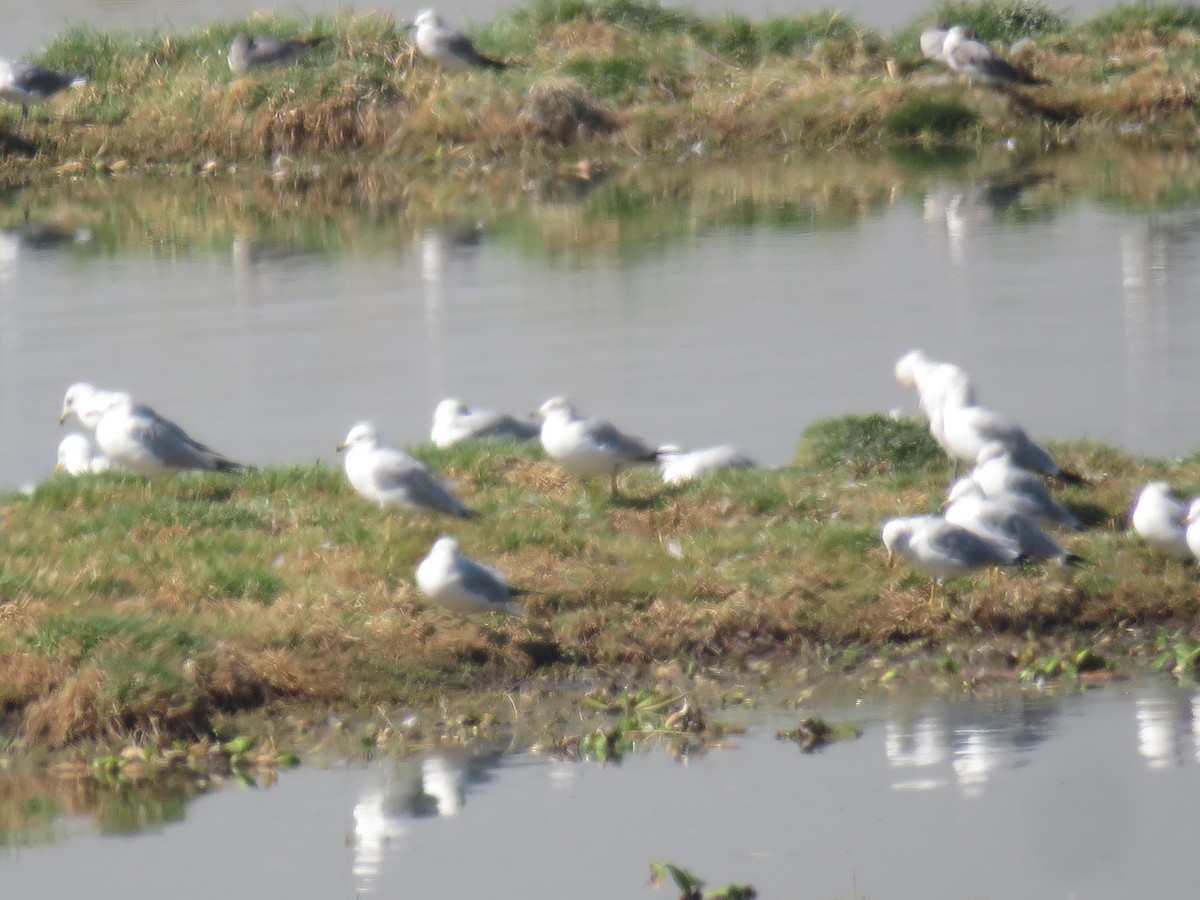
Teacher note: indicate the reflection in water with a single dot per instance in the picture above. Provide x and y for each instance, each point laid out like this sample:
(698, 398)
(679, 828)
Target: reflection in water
(415, 788)
(1168, 728)
(965, 208)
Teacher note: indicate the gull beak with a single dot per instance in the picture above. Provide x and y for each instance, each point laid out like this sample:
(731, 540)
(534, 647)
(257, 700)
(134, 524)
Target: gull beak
(891, 558)
(342, 446)
(63, 416)
(59, 468)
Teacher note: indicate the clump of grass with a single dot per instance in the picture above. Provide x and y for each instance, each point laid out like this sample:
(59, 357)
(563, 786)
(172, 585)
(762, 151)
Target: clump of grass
(562, 110)
(1003, 21)
(938, 117)
(862, 446)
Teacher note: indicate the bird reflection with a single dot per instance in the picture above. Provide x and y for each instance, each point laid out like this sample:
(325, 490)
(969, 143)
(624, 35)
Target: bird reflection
(440, 248)
(965, 742)
(436, 785)
(36, 235)
(1168, 728)
(963, 208)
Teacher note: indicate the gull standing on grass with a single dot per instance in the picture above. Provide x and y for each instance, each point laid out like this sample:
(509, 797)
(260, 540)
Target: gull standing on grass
(75, 456)
(446, 46)
(677, 465)
(453, 423)
(462, 585)
(975, 60)
(1161, 520)
(1001, 479)
(394, 479)
(249, 52)
(940, 549)
(27, 84)
(586, 447)
(137, 438)
(938, 384)
(1192, 535)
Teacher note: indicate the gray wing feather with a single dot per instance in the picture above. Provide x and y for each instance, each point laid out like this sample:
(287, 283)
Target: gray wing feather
(620, 443)
(170, 444)
(401, 473)
(40, 80)
(970, 548)
(503, 426)
(480, 580)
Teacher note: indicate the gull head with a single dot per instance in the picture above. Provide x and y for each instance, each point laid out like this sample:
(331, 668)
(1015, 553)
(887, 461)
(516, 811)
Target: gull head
(427, 18)
(908, 365)
(669, 450)
(896, 534)
(80, 400)
(556, 407)
(449, 411)
(361, 435)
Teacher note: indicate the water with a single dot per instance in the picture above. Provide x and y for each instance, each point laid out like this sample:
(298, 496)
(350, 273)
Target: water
(31, 25)
(698, 322)
(1083, 796)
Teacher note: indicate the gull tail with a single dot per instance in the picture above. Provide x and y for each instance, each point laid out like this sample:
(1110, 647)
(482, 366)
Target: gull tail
(488, 62)
(1074, 559)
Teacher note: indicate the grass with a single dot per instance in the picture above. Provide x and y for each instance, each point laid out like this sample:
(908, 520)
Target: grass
(622, 81)
(187, 608)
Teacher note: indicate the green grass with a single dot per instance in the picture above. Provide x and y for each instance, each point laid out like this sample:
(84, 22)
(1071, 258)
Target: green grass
(648, 83)
(183, 606)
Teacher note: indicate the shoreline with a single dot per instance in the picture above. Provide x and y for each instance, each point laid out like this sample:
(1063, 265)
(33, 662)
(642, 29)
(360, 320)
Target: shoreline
(226, 605)
(611, 85)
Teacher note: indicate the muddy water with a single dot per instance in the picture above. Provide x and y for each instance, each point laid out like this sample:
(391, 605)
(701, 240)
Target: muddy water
(1080, 796)
(30, 25)
(1074, 318)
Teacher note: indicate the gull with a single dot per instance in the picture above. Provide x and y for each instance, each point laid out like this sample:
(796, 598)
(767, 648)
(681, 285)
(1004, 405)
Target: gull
(677, 465)
(589, 446)
(446, 46)
(1161, 520)
(392, 478)
(970, 57)
(1001, 479)
(249, 52)
(27, 84)
(968, 429)
(453, 422)
(1001, 522)
(85, 402)
(462, 585)
(932, 41)
(938, 384)
(137, 438)
(940, 549)
(75, 456)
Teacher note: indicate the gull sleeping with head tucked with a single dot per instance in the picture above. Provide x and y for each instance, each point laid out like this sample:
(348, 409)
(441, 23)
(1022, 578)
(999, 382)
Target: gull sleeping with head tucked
(453, 422)
(462, 585)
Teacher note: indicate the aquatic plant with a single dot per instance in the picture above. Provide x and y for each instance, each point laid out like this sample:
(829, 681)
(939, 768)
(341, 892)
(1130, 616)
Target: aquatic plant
(692, 888)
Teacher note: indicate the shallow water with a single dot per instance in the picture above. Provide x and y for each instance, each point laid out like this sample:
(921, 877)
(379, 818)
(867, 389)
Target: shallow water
(685, 325)
(1080, 796)
(29, 26)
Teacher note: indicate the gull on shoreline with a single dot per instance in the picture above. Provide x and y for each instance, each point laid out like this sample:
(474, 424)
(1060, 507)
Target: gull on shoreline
(137, 438)
(442, 44)
(1161, 521)
(28, 84)
(393, 479)
(256, 52)
(454, 422)
(462, 585)
(586, 447)
(677, 465)
(976, 61)
(941, 549)
(75, 456)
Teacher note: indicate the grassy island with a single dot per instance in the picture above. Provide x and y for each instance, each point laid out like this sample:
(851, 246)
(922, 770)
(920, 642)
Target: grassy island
(606, 82)
(193, 606)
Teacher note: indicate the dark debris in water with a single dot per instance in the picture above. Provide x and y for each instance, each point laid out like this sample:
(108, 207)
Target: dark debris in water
(814, 733)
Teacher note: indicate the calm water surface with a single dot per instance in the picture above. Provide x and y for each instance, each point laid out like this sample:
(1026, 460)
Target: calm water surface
(1079, 322)
(28, 26)
(1084, 796)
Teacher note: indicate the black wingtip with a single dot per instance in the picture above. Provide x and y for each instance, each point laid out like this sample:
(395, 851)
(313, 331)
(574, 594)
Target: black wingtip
(228, 465)
(469, 515)
(489, 63)
(1072, 559)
